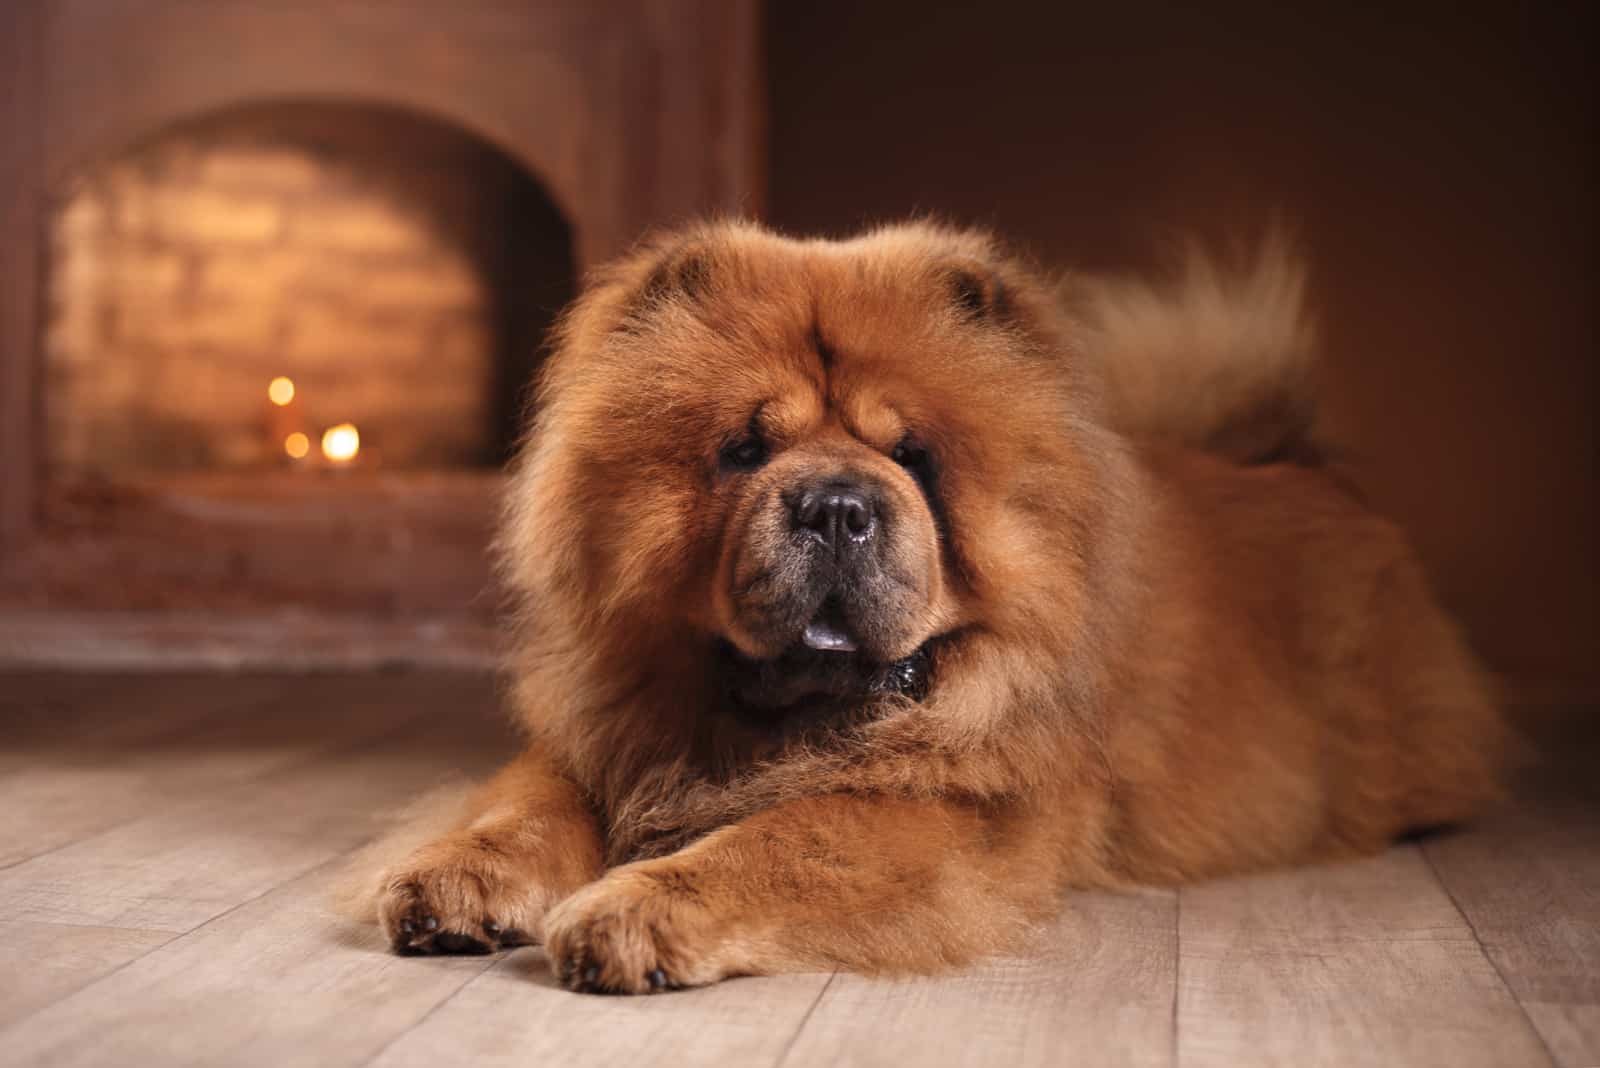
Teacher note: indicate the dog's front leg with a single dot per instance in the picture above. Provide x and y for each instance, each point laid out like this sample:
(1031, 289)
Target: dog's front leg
(525, 840)
(870, 883)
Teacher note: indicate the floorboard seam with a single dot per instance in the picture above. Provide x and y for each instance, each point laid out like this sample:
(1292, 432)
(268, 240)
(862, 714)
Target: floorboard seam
(442, 1002)
(75, 991)
(180, 936)
(238, 786)
(801, 1026)
(8, 865)
(188, 730)
(1177, 970)
(100, 926)
(1444, 885)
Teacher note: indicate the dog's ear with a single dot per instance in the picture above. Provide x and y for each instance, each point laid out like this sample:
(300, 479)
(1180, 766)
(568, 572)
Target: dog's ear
(683, 271)
(978, 291)
(678, 270)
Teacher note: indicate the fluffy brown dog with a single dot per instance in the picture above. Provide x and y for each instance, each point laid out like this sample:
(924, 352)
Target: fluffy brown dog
(875, 592)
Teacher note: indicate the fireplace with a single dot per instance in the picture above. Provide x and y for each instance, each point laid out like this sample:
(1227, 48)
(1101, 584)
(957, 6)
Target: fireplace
(281, 278)
(296, 287)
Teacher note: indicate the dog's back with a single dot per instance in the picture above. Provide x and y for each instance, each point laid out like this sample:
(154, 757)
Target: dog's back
(1291, 687)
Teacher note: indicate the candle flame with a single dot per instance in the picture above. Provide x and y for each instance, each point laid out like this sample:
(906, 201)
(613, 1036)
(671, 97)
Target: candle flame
(280, 390)
(341, 443)
(297, 445)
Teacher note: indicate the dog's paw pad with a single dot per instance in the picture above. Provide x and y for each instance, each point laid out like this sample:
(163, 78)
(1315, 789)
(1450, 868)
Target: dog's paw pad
(452, 942)
(418, 928)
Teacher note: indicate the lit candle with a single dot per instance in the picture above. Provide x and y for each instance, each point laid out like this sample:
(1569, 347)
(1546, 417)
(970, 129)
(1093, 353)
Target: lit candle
(285, 422)
(341, 443)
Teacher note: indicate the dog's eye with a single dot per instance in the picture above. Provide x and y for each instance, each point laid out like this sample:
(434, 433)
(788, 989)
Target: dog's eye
(746, 454)
(909, 454)
(924, 471)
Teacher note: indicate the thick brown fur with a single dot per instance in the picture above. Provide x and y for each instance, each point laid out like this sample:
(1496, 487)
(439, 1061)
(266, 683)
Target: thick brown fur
(1154, 650)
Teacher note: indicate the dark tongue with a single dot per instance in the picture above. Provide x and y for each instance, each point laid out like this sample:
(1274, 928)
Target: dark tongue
(827, 638)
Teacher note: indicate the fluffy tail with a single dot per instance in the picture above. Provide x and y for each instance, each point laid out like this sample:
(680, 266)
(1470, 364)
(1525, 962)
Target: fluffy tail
(1211, 358)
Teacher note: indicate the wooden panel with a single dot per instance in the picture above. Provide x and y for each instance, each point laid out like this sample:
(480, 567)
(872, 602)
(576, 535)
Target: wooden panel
(135, 746)
(198, 736)
(1572, 1032)
(375, 543)
(185, 863)
(739, 1022)
(274, 982)
(42, 709)
(59, 959)
(20, 230)
(704, 138)
(1331, 965)
(1529, 882)
(64, 781)
(67, 718)
(1098, 989)
(197, 929)
(282, 641)
(265, 975)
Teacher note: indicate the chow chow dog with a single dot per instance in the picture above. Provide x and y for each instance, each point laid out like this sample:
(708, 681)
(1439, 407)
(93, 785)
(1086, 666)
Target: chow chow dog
(874, 592)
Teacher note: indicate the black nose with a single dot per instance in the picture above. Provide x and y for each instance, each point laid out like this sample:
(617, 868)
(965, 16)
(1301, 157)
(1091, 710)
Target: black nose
(839, 514)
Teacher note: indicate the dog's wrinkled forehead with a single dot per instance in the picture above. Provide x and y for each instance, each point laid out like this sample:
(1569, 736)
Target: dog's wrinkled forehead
(699, 330)
(717, 275)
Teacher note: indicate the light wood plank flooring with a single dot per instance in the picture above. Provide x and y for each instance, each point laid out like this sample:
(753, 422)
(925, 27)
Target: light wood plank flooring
(167, 843)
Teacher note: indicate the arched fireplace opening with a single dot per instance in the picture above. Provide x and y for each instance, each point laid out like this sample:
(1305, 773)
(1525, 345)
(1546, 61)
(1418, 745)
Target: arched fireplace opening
(285, 349)
(386, 271)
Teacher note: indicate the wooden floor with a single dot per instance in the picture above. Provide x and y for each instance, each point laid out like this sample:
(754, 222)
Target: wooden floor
(166, 844)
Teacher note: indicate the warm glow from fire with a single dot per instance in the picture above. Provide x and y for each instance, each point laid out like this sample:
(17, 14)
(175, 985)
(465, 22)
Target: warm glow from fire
(341, 443)
(297, 445)
(280, 390)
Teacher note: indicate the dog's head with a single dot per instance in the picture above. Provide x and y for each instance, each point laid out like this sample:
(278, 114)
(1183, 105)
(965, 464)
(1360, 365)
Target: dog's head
(813, 457)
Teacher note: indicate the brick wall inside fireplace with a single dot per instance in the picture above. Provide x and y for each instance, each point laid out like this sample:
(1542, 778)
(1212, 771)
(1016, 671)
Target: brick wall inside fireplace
(396, 269)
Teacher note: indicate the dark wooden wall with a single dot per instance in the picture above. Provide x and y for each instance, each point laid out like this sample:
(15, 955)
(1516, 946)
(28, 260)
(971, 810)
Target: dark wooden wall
(1437, 160)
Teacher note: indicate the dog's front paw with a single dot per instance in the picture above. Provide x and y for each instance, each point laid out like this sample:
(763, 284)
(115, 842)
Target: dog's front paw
(636, 931)
(455, 896)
